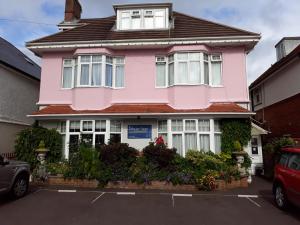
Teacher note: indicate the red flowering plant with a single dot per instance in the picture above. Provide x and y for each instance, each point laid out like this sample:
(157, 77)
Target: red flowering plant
(159, 141)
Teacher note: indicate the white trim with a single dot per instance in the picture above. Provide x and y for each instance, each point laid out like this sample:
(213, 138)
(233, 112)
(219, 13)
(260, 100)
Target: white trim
(133, 42)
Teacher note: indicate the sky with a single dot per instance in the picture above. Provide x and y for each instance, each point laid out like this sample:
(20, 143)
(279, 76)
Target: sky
(26, 20)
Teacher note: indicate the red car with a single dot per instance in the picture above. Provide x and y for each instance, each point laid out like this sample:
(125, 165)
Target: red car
(286, 187)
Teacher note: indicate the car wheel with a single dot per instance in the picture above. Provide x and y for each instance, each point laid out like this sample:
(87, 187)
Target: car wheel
(20, 187)
(280, 197)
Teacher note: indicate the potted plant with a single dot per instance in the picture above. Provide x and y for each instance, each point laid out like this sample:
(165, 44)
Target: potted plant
(239, 154)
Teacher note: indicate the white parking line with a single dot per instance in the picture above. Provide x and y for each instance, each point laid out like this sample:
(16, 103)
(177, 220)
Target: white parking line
(125, 193)
(92, 202)
(254, 202)
(248, 196)
(67, 191)
(182, 195)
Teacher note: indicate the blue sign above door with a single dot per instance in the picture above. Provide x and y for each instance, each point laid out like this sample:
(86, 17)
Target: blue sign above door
(139, 131)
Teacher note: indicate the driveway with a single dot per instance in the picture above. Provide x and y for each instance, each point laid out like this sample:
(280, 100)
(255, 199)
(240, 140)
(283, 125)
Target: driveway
(58, 206)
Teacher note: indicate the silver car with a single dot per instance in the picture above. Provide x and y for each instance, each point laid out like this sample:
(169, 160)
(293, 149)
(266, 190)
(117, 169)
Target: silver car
(14, 177)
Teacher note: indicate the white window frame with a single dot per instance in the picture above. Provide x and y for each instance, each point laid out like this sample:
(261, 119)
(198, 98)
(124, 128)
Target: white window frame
(73, 74)
(202, 61)
(165, 61)
(142, 15)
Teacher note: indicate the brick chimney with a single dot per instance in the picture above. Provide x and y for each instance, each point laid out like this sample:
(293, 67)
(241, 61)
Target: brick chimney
(72, 10)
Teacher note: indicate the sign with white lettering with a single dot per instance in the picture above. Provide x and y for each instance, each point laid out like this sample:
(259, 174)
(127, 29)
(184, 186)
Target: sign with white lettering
(139, 131)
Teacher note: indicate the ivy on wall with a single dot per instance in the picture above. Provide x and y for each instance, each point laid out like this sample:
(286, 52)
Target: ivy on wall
(28, 141)
(234, 130)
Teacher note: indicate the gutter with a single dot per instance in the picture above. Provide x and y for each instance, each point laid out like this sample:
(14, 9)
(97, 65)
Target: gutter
(134, 42)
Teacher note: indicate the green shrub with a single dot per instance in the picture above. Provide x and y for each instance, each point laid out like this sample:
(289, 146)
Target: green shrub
(159, 154)
(57, 168)
(235, 130)
(84, 164)
(29, 139)
(208, 161)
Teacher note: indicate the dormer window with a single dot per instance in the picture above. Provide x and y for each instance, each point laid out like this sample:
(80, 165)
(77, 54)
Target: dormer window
(138, 19)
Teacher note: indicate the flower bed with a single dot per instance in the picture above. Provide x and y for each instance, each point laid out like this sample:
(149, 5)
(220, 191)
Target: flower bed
(154, 185)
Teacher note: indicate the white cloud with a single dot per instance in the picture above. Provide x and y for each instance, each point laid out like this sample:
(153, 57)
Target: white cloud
(272, 18)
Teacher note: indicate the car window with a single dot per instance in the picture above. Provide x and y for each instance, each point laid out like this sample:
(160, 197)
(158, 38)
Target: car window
(294, 162)
(283, 159)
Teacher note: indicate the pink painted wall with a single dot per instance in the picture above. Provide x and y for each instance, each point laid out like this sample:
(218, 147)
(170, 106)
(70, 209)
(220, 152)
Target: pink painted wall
(140, 75)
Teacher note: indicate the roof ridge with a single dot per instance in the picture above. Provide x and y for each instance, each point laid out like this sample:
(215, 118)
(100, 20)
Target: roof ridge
(217, 23)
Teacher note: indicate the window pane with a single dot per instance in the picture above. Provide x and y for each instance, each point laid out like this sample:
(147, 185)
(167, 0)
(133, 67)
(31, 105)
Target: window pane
(177, 125)
(84, 78)
(206, 73)
(194, 76)
(177, 143)
(164, 137)
(74, 126)
(149, 22)
(204, 142)
(190, 142)
(73, 143)
(67, 77)
(161, 74)
(108, 75)
(115, 138)
(182, 72)
(100, 125)
(97, 58)
(87, 139)
(162, 126)
(67, 62)
(205, 56)
(109, 59)
(96, 74)
(99, 140)
(216, 73)
(194, 56)
(63, 139)
(85, 58)
(283, 159)
(204, 125)
(182, 56)
(171, 74)
(136, 23)
(294, 162)
(115, 126)
(75, 74)
(87, 126)
(217, 143)
(120, 60)
(217, 126)
(159, 22)
(190, 125)
(120, 76)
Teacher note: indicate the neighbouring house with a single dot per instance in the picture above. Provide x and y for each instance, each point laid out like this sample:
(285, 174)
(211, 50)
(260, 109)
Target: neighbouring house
(19, 93)
(146, 71)
(275, 94)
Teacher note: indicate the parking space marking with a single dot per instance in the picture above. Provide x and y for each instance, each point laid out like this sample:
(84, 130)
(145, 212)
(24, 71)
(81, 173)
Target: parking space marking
(92, 202)
(254, 202)
(67, 191)
(182, 195)
(248, 196)
(125, 193)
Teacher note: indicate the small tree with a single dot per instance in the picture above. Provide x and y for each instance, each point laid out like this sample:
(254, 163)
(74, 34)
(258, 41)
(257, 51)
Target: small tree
(29, 139)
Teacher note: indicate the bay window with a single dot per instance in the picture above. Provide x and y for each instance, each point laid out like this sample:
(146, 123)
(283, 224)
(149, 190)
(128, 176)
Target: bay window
(93, 71)
(189, 68)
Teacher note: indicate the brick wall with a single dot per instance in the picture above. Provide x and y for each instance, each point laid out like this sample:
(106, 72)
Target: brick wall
(281, 118)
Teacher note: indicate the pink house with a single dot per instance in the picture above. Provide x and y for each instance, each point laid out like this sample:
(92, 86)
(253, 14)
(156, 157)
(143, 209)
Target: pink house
(146, 71)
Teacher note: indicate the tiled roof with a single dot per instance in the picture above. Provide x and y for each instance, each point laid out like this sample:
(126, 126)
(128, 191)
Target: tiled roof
(141, 108)
(184, 27)
(13, 57)
(278, 65)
